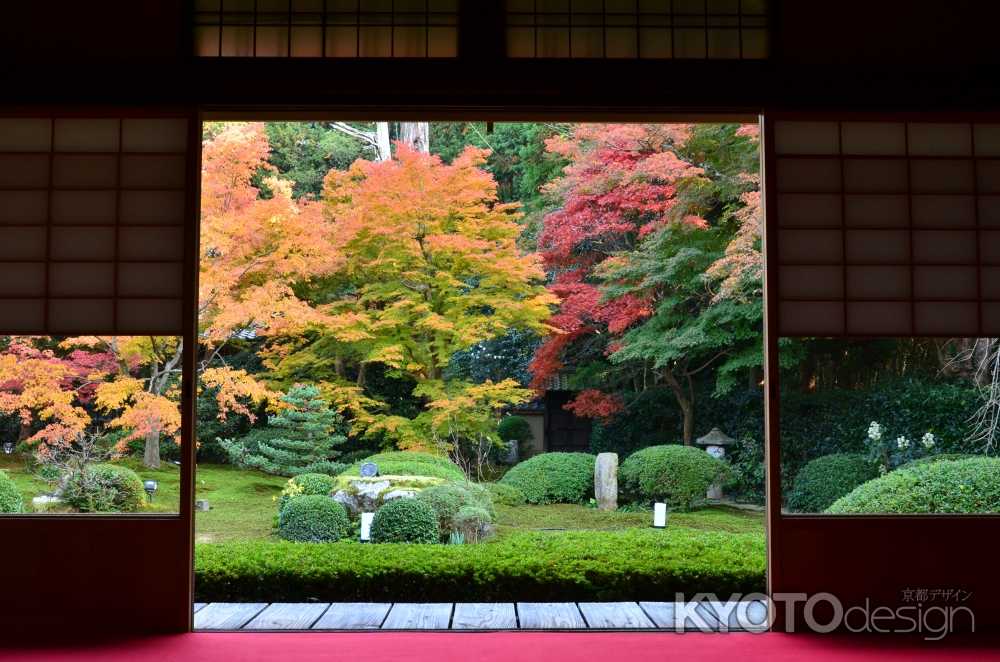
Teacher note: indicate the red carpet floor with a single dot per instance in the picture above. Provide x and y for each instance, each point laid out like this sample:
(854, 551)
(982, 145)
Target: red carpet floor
(510, 647)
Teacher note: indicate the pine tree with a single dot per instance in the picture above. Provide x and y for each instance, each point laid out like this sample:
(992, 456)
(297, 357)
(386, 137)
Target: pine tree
(308, 434)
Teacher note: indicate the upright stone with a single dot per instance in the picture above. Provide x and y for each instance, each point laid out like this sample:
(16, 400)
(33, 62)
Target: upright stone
(606, 481)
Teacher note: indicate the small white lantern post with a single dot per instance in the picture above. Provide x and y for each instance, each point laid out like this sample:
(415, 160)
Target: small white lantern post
(715, 443)
(366, 526)
(659, 515)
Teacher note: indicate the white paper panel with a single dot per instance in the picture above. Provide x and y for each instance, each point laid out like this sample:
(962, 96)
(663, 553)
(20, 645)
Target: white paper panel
(86, 243)
(154, 135)
(22, 279)
(942, 176)
(940, 139)
(22, 244)
(989, 282)
(987, 139)
(944, 211)
(803, 210)
(808, 175)
(877, 210)
(878, 246)
(27, 171)
(143, 171)
(149, 315)
(68, 316)
(945, 282)
(86, 135)
(22, 315)
(989, 211)
(812, 282)
(73, 279)
(83, 207)
(150, 280)
(84, 171)
(810, 246)
(989, 247)
(25, 134)
(946, 246)
(23, 207)
(878, 318)
(138, 243)
(943, 318)
(878, 282)
(990, 312)
(883, 138)
(875, 175)
(988, 176)
(812, 318)
(151, 208)
(806, 138)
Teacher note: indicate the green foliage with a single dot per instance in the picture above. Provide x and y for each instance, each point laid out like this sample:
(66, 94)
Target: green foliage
(306, 485)
(948, 486)
(410, 463)
(10, 497)
(554, 478)
(635, 564)
(405, 520)
(825, 479)
(449, 499)
(313, 518)
(937, 458)
(304, 152)
(506, 495)
(517, 430)
(307, 433)
(677, 475)
(505, 357)
(104, 488)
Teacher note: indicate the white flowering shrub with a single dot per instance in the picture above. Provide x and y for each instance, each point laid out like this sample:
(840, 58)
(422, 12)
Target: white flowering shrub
(888, 452)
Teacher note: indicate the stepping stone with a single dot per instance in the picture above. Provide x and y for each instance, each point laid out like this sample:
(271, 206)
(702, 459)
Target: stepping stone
(615, 615)
(287, 616)
(484, 616)
(353, 616)
(418, 616)
(550, 616)
(226, 615)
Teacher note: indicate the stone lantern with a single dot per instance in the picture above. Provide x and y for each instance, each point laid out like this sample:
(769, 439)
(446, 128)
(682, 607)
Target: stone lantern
(715, 443)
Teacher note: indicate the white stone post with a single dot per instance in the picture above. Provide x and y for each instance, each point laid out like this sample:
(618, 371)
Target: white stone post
(606, 481)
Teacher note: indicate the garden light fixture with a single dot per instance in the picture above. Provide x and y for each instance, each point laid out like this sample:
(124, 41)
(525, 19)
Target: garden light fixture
(659, 515)
(366, 526)
(8, 447)
(150, 486)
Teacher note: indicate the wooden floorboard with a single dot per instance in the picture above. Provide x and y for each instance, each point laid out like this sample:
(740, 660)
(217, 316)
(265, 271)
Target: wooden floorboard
(353, 616)
(665, 616)
(419, 616)
(748, 616)
(226, 615)
(615, 615)
(549, 616)
(288, 616)
(484, 616)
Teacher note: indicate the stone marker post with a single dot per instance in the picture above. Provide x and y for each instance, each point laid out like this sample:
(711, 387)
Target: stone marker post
(606, 481)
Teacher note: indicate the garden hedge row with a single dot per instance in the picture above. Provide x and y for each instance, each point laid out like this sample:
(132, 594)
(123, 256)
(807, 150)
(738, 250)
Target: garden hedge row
(638, 564)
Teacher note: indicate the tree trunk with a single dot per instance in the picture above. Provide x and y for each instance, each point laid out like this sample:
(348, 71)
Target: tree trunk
(417, 135)
(686, 403)
(383, 149)
(151, 456)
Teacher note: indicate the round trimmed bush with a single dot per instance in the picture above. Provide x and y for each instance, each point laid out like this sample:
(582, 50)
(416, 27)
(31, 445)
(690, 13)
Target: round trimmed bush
(104, 488)
(313, 518)
(676, 475)
(825, 479)
(405, 520)
(935, 458)
(947, 486)
(553, 478)
(505, 495)
(310, 484)
(10, 498)
(450, 498)
(410, 463)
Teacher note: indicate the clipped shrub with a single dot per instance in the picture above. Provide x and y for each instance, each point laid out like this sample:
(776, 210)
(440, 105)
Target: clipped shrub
(473, 522)
(946, 486)
(553, 478)
(306, 485)
(676, 475)
(405, 520)
(516, 430)
(936, 458)
(506, 495)
(104, 488)
(549, 566)
(10, 498)
(410, 463)
(313, 518)
(449, 499)
(826, 479)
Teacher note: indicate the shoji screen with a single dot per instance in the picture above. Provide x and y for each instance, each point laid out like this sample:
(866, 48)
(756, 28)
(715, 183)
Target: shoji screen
(92, 235)
(884, 228)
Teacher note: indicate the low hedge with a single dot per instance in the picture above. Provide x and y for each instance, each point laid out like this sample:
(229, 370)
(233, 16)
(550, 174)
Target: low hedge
(677, 475)
(635, 564)
(825, 479)
(554, 478)
(11, 500)
(410, 463)
(946, 486)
